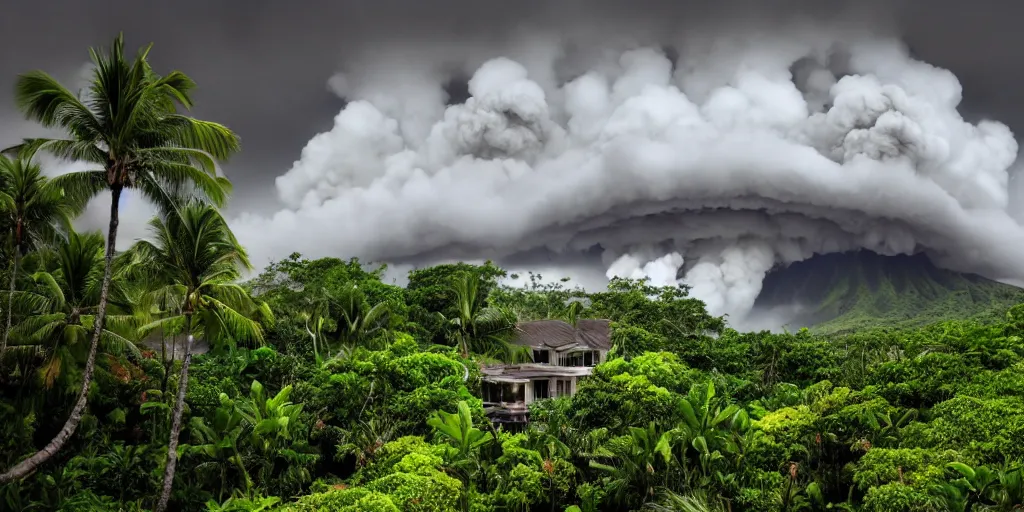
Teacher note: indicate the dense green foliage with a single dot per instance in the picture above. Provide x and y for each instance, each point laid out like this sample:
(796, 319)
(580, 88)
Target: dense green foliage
(326, 389)
(685, 413)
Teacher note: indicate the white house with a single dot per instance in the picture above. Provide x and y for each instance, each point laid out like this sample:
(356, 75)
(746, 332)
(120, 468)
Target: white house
(562, 355)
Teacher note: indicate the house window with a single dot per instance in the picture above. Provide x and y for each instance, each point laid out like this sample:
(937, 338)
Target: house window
(491, 392)
(580, 358)
(540, 389)
(497, 392)
(571, 359)
(563, 387)
(541, 356)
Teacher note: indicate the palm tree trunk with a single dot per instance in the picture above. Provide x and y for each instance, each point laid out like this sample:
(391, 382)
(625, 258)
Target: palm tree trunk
(179, 409)
(163, 359)
(174, 351)
(10, 302)
(30, 464)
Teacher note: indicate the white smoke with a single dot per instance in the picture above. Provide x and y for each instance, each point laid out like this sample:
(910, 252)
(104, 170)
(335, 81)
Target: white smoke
(736, 151)
(661, 271)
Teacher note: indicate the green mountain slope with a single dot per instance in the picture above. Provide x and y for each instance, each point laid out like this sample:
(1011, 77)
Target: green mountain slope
(853, 290)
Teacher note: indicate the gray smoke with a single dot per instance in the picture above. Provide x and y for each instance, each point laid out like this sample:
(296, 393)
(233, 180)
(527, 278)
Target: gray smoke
(701, 152)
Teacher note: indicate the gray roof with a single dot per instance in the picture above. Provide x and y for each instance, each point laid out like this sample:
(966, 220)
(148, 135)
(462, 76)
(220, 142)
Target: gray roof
(559, 335)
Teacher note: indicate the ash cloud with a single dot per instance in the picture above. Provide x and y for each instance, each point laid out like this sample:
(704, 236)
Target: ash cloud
(705, 151)
(705, 141)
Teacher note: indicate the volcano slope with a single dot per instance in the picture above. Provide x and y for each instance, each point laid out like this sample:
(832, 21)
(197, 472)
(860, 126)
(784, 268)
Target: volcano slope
(842, 292)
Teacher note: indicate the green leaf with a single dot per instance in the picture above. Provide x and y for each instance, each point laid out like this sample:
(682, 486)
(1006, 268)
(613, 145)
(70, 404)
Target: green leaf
(267, 426)
(700, 444)
(146, 406)
(726, 414)
(963, 469)
(689, 416)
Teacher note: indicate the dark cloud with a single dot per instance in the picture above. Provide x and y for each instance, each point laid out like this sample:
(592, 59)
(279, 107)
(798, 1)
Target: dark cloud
(262, 65)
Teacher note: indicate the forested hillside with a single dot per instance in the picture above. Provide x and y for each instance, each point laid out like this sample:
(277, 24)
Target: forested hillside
(843, 292)
(326, 389)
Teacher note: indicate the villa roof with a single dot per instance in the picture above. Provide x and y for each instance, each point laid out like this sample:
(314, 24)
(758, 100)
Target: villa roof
(561, 336)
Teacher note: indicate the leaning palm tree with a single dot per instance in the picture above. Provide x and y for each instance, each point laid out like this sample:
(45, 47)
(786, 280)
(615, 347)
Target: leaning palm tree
(32, 211)
(126, 123)
(197, 259)
(64, 301)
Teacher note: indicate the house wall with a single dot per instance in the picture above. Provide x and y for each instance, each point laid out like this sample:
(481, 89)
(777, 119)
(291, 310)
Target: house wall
(553, 381)
(552, 386)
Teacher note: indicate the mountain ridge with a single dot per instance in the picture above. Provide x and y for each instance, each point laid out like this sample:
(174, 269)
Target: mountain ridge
(841, 292)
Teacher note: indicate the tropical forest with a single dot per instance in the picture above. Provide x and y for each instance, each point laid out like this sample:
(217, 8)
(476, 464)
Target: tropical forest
(170, 373)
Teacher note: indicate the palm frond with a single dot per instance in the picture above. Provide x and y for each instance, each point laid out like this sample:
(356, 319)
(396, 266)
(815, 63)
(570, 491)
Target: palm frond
(165, 298)
(164, 181)
(122, 326)
(79, 187)
(6, 201)
(64, 149)
(51, 370)
(232, 324)
(211, 138)
(169, 324)
(53, 290)
(27, 302)
(42, 98)
(116, 344)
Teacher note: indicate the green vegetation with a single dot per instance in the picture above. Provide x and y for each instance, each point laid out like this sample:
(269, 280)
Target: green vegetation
(845, 292)
(326, 389)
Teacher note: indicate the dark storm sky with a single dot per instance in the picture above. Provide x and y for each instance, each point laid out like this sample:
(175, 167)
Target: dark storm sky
(262, 65)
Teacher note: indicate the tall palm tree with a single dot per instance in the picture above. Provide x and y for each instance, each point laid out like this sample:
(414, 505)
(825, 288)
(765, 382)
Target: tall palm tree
(127, 124)
(65, 302)
(198, 260)
(480, 328)
(32, 209)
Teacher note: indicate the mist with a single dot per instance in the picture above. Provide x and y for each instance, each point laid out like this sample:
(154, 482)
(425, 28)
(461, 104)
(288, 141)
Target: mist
(702, 151)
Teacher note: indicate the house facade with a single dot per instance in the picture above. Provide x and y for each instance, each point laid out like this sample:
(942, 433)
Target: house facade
(562, 356)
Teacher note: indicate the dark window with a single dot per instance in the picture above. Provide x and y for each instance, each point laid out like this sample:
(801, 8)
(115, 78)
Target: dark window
(496, 392)
(588, 358)
(560, 388)
(541, 356)
(540, 389)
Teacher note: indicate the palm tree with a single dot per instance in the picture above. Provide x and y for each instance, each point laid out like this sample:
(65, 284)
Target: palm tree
(358, 322)
(65, 308)
(479, 328)
(198, 260)
(127, 124)
(32, 210)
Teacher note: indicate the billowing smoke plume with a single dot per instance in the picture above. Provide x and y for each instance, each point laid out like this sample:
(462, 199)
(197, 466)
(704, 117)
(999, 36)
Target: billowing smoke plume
(705, 155)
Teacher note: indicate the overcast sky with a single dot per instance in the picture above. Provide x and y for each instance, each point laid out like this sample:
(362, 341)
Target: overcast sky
(262, 65)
